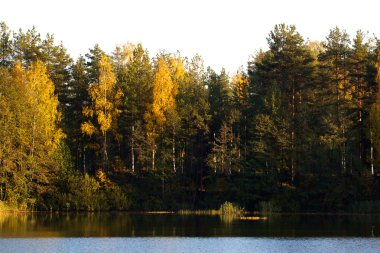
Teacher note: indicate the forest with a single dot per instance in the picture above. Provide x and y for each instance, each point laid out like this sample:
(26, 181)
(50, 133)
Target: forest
(296, 130)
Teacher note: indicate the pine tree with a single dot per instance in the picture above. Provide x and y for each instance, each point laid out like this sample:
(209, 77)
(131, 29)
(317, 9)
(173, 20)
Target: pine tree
(242, 104)
(361, 86)
(135, 77)
(27, 46)
(76, 98)
(225, 154)
(374, 125)
(194, 114)
(282, 78)
(336, 94)
(5, 45)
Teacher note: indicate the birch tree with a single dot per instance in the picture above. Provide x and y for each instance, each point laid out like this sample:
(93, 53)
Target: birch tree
(164, 93)
(104, 107)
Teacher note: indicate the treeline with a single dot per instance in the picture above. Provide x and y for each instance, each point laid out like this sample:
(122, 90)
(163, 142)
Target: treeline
(298, 130)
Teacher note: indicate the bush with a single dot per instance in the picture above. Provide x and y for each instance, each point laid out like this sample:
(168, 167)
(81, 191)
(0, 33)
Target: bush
(117, 199)
(228, 208)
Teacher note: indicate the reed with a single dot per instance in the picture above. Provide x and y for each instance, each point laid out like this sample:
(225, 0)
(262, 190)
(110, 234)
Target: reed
(227, 208)
(198, 212)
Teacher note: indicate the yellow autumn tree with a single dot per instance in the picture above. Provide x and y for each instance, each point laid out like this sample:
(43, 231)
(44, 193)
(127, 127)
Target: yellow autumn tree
(31, 123)
(240, 86)
(104, 110)
(43, 117)
(164, 93)
(178, 77)
(178, 70)
(36, 108)
(43, 106)
(123, 54)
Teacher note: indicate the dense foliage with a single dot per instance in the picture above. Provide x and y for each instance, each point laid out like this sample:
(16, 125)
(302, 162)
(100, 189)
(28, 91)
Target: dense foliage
(299, 130)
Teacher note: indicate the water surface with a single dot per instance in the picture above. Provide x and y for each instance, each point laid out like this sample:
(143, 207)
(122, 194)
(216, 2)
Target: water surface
(189, 245)
(172, 225)
(170, 233)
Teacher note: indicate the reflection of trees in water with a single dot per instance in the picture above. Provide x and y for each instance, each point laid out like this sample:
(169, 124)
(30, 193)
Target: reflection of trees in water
(62, 225)
(126, 225)
(16, 224)
(228, 218)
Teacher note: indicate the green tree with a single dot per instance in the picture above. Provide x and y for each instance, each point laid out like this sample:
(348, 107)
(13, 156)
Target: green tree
(336, 94)
(5, 45)
(225, 153)
(93, 60)
(58, 63)
(193, 109)
(27, 46)
(220, 98)
(135, 77)
(76, 98)
(242, 98)
(374, 129)
(282, 79)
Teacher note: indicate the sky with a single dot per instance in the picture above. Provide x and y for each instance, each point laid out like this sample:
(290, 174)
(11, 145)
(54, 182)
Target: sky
(224, 32)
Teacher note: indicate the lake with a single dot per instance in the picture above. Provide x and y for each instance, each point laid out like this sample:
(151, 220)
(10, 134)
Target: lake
(166, 233)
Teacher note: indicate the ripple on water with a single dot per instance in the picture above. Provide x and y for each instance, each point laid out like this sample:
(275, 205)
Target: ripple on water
(189, 245)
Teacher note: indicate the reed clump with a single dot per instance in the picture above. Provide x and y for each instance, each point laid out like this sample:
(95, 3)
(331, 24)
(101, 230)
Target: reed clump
(198, 212)
(227, 208)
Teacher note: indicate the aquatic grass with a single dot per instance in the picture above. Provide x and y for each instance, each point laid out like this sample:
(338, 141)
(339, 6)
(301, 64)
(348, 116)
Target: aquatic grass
(159, 212)
(253, 218)
(198, 212)
(227, 208)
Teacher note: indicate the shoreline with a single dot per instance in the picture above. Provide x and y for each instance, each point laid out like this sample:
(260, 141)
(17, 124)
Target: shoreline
(187, 212)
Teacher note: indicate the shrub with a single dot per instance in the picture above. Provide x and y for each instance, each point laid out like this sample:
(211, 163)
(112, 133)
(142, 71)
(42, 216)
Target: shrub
(228, 208)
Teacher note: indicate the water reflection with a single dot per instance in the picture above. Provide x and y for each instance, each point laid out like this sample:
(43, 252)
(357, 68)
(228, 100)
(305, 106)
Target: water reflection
(228, 219)
(172, 225)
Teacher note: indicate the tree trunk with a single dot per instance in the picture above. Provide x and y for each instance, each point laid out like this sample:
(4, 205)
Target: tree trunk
(360, 123)
(33, 135)
(105, 133)
(293, 134)
(163, 185)
(84, 160)
(214, 154)
(132, 150)
(173, 150)
(344, 97)
(230, 151)
(245, 137)
(153, 156)
(105, 156)
(343, 151)
(371, 140)
(182, 163)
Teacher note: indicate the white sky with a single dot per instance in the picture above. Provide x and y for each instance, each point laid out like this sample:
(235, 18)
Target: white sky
(223, 32)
